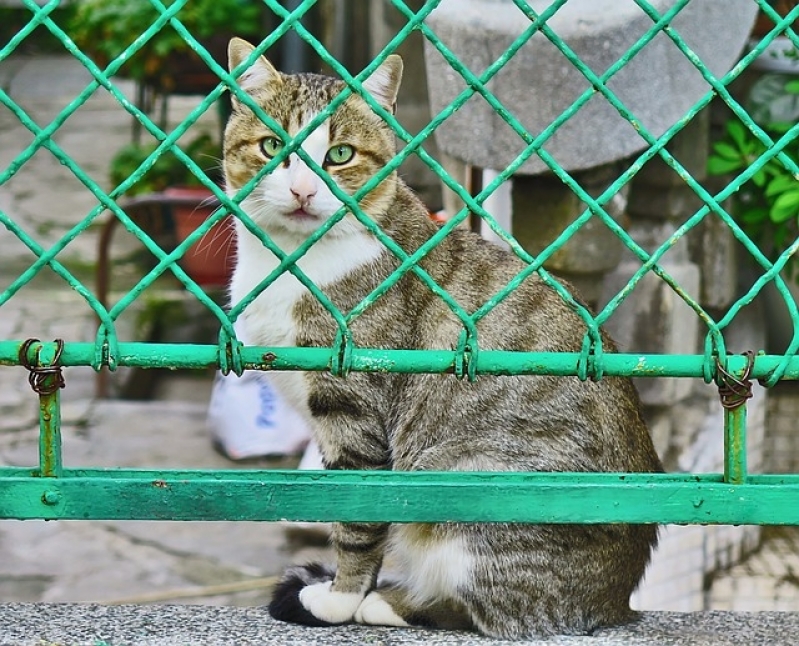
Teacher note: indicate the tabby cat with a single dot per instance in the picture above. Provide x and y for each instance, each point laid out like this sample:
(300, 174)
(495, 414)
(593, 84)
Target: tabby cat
(503, 580)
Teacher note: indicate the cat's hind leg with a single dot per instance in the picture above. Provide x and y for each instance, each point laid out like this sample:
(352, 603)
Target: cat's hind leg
(391, 604)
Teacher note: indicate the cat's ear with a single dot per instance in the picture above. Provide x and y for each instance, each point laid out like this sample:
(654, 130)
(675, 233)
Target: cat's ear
(383, 84)
(260, 73)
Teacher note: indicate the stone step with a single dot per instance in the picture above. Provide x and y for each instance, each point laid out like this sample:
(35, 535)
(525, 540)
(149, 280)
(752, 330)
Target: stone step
(95, 625)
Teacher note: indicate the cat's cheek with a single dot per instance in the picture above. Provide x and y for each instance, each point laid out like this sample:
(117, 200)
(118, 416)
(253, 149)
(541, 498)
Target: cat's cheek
(274, 190)
(328, 605)
(326, 208)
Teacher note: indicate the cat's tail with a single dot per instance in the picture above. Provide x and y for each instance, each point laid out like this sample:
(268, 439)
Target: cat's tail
(389, 604)
(286, 604)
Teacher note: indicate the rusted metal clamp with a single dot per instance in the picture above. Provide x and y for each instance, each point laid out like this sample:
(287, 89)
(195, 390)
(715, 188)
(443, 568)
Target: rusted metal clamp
(734, 391)
(39, 376)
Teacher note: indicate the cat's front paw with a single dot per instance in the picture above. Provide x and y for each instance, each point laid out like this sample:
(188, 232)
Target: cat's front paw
(376, 611)
(327, 604)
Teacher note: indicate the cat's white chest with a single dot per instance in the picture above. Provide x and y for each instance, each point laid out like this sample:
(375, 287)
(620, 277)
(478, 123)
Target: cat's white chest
(269, 319)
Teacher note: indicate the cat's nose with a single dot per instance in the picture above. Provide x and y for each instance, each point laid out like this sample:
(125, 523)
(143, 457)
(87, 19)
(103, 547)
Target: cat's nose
(303, 192)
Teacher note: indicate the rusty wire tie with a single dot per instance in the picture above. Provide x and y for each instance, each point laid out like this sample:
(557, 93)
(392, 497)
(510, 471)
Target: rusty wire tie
(734, 391)
(38, 376)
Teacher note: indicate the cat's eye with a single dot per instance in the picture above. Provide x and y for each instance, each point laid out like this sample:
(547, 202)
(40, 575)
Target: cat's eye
(271, 146)
(340, 154)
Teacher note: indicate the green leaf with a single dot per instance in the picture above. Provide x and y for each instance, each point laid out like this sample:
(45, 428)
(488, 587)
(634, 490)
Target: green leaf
(759, 178)
(779, 128)
(720, 166)
(737, 132)
(780, 239)
(727, 151)
(792, 87)
(754, 215)
(785, 207)
(780, 184)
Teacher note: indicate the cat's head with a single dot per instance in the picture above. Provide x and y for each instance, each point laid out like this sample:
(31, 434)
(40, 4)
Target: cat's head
(351, 145)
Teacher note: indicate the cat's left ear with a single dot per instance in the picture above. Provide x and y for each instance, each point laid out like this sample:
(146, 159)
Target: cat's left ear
(383, 84)
(259, 74)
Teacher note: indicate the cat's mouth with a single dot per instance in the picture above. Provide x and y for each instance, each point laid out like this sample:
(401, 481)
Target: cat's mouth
(301, 214)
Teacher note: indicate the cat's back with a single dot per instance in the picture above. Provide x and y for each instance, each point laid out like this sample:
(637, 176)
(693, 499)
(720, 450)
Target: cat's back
(522, 422)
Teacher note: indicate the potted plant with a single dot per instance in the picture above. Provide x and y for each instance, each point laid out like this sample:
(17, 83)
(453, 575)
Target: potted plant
(168, 170)
(767, 206)
(166, 62)
(190, 203)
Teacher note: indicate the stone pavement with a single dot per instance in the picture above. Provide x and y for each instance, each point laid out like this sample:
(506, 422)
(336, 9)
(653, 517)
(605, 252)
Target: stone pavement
(137, 562)
(92, 625)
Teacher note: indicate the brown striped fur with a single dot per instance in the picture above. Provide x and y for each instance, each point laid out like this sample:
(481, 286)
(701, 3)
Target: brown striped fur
(503, 580)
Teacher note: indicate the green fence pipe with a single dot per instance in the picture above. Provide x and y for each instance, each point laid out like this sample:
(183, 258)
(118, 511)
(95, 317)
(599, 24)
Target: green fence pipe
(735, 445)
(50, 434)
(44, 376)
(399, 497)
(734, 390)
(497, 362)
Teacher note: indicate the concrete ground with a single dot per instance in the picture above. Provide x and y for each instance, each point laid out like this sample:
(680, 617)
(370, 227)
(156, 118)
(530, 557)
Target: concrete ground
(222, 563)
(93, 625)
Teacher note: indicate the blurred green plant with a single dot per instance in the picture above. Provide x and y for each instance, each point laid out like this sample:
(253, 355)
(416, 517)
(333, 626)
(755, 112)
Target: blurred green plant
(167, 170)
(104, 28)
(767, 206)
(40, 41)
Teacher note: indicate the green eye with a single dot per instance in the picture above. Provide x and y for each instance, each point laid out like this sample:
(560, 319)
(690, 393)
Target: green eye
(340, 154)
(271, 146)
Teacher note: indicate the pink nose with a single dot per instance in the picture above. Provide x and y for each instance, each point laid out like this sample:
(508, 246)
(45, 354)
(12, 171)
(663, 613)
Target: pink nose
(303, 192)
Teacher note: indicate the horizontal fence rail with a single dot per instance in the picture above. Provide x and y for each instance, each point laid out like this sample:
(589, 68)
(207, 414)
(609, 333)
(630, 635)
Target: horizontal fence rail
(399, 497)
(52, 490)
(489, 362)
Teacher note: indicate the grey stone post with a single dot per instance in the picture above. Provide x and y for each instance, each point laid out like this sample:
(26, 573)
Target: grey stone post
(537, 84)
(543, 207)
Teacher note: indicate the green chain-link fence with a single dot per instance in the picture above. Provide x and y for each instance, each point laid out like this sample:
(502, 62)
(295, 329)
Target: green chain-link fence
(53, 490)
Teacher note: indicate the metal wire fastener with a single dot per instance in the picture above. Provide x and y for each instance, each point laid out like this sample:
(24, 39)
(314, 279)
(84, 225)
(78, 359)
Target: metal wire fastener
(38, 376)
(734, 391)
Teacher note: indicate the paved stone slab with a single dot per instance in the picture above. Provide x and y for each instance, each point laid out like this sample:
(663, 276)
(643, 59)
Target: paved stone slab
(92, 625)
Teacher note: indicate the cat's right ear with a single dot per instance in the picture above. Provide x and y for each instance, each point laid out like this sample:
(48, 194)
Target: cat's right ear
(259, 74)
(384, 83)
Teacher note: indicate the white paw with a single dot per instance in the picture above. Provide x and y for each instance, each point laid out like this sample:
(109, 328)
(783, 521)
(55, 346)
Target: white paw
(376, 611)
(327, 605)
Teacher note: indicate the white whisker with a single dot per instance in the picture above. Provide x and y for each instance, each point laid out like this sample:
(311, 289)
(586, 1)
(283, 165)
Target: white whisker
(206, 242)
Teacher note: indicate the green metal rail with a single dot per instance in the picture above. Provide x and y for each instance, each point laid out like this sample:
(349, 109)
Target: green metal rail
(53, 491)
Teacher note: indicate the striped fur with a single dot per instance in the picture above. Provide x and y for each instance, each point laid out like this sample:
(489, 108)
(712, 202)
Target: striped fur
(503, 580)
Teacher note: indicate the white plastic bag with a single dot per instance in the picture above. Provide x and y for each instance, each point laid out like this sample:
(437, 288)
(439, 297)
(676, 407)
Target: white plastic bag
(248, 419)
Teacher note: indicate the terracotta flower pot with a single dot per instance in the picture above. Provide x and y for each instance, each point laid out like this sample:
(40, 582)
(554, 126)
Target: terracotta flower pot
(209, 261)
